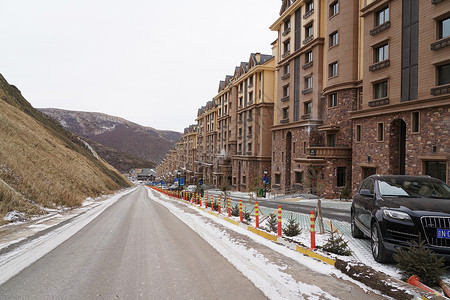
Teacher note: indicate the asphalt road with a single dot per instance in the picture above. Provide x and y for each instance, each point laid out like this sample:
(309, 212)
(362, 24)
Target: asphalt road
(136, 249)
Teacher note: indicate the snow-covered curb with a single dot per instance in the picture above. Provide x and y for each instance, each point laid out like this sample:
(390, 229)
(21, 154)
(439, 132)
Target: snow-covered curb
(12, 262)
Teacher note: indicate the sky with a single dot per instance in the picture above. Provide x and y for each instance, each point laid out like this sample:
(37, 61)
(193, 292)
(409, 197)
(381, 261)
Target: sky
(151, 62)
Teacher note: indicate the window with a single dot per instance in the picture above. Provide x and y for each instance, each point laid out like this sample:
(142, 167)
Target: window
(286, 91)
(244, 179)
(308, 82)
(444, 28)
(249, 147)
(287, 25)
(249, 130)
(250, 97)
(334, 8)
(240, 131)
(340, 176)
(334, 39)
(286, 113)
(380, 90)
(358, 133)
(415, 121)
(286, 69)
(382, 16)
(380, 132)
(298, 177)
(436, 169)
(444, 74)
(308, 31)
(309, 6)
(250, 113)
(381, 53)
(250, 81)
(308, 57)
(331, 139)
(333, 69)
(304, 147)
(240, 147)
(332, 100)
(277, 178)
(287, 46)
(308, 108)
(240, 101)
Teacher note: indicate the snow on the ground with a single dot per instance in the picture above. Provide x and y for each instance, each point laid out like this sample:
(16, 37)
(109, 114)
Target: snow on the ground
(267, 276)
(12, 262)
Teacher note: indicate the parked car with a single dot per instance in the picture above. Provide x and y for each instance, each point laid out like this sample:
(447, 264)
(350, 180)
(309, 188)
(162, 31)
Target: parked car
(191, 188)
(393, 210)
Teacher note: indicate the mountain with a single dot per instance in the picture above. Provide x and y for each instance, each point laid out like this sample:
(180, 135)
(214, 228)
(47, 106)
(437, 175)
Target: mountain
(42, 165)
(143, 142)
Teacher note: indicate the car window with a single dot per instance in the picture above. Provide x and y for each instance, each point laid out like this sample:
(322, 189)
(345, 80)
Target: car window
(387, 189)
(367, 185)
(422, 187)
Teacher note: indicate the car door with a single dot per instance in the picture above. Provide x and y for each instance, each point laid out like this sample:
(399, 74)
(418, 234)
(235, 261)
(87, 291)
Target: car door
(367, 203)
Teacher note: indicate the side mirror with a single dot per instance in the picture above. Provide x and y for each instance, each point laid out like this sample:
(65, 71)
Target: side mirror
(365, 192)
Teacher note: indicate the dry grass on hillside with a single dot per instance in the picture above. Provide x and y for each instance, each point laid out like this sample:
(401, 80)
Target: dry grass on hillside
(39, 166)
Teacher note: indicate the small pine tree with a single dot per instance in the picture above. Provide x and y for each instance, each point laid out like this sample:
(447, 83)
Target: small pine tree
(246, 216)
(336, 244)
(346, 193)
(273, 222)
(235, 210)
(292, 228)
(421, 261)
(216, 205)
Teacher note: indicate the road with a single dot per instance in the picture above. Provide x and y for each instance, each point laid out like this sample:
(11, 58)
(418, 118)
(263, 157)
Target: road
(134, 249)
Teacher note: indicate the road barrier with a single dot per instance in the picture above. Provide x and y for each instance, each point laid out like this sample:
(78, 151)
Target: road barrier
(313, 230)
(415, 280)
(229, 208)
(256, 214)
(219, 205)
(240, 211)
(279, 221)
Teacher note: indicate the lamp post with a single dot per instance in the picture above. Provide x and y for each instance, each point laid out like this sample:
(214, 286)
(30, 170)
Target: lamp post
(266, 181)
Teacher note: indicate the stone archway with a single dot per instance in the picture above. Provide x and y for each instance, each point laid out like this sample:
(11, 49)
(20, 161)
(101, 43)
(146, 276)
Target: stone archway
(397, 147)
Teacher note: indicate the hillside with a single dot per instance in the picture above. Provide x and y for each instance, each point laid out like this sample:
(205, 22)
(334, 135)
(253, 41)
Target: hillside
(144, 142)
(42, 164)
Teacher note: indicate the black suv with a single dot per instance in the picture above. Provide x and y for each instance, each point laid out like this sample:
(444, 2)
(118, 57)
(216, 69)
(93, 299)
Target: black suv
(393, 210)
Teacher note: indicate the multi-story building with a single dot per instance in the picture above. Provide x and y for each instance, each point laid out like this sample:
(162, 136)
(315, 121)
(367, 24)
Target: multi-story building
(317, 84)
(254, 117)
(402, 121)
(207, 142)
(190, 146)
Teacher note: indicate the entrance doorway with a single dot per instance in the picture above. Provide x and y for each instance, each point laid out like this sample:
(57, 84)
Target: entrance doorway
(397, 147)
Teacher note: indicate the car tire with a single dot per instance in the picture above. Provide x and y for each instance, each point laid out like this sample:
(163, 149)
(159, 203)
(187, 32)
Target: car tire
(379, 253)
(356, 232)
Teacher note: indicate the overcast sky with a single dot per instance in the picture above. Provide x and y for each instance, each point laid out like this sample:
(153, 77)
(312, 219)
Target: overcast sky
(151, 62)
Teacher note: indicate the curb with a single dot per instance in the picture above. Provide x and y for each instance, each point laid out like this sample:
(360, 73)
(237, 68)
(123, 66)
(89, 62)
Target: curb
(379, 281)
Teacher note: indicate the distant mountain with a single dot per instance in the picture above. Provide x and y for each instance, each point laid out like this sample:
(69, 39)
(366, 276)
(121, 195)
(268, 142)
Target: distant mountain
(143, 142)
(42, 165)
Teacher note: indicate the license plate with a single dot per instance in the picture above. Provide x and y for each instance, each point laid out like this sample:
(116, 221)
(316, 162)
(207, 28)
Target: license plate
(443, 233)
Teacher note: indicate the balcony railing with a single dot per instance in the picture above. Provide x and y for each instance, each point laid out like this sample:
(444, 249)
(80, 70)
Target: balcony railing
(379, 102)
(440, 44)
(441, 90)
(330, 152)
(308, 39)
(308, 13)
(307, 65)
(380, 28)
(380, 65)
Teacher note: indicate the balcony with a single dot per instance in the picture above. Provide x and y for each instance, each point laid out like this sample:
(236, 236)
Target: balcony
(441, 90)
(308, 39)
(380, 65)
(440, 44)
(379, 102)
(380, 28)
(285, 54)
(308, 14)
(307, 65)
(330, 152)
(285, 76)
(307, 91)
(436, 1)
(286, 32)
(284, 99)
(284, 121)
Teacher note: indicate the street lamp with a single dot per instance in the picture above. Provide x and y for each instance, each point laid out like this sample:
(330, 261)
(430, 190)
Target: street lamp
(266, 182)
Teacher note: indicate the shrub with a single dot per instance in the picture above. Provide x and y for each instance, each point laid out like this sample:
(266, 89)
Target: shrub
(246, 216)
(346, 193)
(272, 222)
(336, 244)
(292, 228)
(421, 261)
(235, 210)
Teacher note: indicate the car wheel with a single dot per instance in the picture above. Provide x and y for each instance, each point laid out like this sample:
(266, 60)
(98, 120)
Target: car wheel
(379, 253)
(356, 232)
